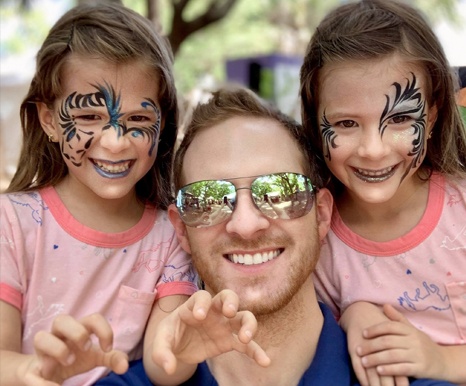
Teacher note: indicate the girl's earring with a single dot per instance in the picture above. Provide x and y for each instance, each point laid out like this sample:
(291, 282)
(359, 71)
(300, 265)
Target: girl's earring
(430, 135)
(51, 139)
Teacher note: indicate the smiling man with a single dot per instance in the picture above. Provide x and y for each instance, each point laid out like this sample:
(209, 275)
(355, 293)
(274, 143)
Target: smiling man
(255, 263)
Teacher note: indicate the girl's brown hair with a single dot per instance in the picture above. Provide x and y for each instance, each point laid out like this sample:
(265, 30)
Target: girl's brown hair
(110, 32)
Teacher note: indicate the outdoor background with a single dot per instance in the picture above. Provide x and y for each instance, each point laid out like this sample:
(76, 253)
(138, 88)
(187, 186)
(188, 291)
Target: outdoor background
(259, 43)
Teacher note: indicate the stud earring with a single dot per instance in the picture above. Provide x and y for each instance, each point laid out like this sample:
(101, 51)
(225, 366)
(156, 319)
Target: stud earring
(50, 136)
(430, 135)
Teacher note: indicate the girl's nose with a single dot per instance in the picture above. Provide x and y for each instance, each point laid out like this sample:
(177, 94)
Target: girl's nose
(372, 144)
(113, 140)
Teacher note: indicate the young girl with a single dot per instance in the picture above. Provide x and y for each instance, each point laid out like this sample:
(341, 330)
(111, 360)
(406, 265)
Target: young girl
(86, 246)
(378, 96)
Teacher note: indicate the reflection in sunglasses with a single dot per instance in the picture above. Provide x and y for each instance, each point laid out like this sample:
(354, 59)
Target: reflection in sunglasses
(277, 195)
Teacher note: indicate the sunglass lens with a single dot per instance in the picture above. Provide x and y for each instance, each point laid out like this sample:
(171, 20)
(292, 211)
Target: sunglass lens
(283, 195)
(206, 203)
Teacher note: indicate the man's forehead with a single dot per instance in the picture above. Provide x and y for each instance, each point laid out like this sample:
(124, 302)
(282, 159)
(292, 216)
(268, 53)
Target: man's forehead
(252, 149)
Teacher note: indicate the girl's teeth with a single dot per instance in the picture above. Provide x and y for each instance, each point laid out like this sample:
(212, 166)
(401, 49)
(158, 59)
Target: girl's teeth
(113, 168)
(375, 173)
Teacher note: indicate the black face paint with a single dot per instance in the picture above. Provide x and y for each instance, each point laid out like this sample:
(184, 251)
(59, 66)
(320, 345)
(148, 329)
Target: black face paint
(328, 137)
(409, 94)
(70, 132)
(77, 141)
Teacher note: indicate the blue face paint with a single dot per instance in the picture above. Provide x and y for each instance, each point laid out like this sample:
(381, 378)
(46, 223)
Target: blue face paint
(76, 141)
(112, 102)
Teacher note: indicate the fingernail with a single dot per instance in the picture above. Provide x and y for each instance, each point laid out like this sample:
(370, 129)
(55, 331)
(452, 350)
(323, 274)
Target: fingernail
(71, 358)
(88, 345)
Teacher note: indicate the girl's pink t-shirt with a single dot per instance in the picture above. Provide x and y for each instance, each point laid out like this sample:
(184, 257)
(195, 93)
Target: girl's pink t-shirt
(423, 273)
(51, 264)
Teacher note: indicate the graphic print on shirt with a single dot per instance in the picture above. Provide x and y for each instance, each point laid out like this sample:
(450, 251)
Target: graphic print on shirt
(36, 206)
(149, 261)
(428, 296)
(76, 141)
(41, 313)
(456, 243)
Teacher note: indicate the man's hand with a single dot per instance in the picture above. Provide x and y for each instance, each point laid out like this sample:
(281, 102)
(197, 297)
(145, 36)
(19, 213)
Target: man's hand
(204, 327)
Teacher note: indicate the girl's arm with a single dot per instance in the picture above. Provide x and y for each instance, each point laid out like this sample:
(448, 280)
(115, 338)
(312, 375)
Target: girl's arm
(63, 352)
(397, 348)
(10, 345)
(154, 368)
(197, 329)
(356, 318)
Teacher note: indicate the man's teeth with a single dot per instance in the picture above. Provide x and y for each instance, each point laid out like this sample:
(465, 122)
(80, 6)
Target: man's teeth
(113, 168)
(375, 173)
(251, 259)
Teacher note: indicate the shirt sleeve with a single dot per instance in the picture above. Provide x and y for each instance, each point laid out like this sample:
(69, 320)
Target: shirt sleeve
(12, 271)
(177, 268)
(326, 281)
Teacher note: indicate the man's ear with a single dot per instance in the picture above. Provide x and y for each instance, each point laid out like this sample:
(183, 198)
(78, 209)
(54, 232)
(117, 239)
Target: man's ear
(324, 206)
(46, 119)
(180, 228)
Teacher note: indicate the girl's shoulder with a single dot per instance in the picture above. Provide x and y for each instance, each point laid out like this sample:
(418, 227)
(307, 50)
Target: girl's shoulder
(454, 189)
(16, 200)
(449, 183)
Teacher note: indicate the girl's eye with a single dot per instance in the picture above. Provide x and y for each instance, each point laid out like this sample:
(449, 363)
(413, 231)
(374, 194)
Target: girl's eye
(348, 123)
(87, 117)
(138, 118)
(400, 119)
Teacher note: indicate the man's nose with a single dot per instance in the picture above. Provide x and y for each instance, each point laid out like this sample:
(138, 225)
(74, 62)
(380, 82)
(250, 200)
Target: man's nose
(246, 220)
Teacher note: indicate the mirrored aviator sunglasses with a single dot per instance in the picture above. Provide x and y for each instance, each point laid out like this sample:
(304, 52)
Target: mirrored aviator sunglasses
(278, 196)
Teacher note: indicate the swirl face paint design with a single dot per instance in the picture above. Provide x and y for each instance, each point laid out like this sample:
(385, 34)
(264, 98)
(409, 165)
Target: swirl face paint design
(407, 102)
(76, 140)
(328, 137)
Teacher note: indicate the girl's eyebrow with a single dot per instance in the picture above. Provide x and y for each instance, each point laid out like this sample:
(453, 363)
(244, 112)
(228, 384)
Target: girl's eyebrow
(412, 105)
(340, 115)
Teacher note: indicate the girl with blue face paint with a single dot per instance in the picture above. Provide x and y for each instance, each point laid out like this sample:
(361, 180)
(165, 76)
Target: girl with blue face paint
(88, 254)
(378, 99)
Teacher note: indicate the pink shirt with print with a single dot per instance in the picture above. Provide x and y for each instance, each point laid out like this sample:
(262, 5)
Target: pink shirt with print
(51, 264)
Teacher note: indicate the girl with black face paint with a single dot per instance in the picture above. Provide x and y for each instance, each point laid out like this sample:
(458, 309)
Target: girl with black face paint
(378, 99)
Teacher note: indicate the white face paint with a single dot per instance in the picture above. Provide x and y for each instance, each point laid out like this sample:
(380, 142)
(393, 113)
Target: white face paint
(107, 125)
(374, 121)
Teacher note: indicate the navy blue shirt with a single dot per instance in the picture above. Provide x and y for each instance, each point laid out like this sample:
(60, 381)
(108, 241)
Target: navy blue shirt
(331, 365)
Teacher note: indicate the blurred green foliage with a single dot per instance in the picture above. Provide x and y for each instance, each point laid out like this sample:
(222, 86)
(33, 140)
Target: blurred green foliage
(252, 28)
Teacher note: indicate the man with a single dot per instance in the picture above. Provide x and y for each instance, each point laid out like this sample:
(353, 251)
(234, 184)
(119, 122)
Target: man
(249, 258)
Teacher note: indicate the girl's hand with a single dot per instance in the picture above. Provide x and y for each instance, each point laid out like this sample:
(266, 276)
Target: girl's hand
(68, 350)
(397, 348)
(355, 320)
(204, 327)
